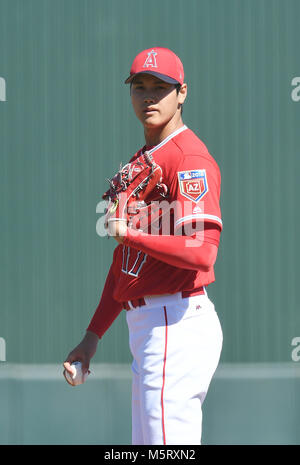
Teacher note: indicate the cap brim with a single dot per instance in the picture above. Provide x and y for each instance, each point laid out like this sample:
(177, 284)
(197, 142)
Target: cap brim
(163, 77)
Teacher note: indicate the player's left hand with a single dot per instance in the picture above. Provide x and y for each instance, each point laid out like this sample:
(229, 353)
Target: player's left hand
(117, 229)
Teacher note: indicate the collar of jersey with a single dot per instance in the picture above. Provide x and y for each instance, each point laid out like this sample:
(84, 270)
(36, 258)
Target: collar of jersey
(175, 133)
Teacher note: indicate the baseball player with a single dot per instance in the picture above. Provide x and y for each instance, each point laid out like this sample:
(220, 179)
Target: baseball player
(161, 280)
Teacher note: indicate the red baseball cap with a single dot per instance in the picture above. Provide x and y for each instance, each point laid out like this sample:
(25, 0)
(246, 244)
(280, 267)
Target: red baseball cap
(160, 62)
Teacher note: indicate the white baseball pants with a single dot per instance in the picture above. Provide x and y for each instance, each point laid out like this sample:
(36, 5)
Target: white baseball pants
(176, 345)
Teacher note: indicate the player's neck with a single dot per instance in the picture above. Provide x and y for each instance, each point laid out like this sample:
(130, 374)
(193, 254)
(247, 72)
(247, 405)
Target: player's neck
(154, 136)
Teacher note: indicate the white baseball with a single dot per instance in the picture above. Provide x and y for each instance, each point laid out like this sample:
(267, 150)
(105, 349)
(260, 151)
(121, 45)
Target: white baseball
(78, 377)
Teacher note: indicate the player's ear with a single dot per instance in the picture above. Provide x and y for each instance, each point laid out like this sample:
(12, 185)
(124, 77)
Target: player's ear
(182, 93)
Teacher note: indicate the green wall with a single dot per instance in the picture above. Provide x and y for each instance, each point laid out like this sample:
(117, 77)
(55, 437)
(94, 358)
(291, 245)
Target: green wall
(67, 123)
(246, 404)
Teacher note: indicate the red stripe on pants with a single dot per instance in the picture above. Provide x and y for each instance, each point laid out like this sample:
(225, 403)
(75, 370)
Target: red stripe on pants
(164, 377)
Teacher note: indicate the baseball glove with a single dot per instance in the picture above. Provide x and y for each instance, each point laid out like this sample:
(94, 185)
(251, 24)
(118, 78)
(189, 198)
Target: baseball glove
(132, 190)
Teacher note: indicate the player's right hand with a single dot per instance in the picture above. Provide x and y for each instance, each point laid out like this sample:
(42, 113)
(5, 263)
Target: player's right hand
(83, 353)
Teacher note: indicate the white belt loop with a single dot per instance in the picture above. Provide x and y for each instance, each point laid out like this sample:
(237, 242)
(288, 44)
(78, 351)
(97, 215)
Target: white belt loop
(130, 305)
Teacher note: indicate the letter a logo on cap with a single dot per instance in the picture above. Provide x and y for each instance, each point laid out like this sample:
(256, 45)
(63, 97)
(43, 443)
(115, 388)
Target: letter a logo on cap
(151, 60)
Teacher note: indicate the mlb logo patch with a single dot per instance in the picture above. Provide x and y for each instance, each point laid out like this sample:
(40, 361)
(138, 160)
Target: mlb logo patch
(193, 184)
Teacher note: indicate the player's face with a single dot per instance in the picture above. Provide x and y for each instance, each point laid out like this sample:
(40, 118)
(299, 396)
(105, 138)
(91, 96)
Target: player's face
(155, 102)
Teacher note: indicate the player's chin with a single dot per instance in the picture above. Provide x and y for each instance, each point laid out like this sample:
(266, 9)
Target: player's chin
(152, 120)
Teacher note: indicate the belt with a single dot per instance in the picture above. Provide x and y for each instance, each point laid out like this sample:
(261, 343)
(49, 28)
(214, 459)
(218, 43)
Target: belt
(141, 301)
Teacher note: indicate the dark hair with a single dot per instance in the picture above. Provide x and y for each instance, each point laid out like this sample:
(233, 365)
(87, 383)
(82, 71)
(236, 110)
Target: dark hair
(177, 87)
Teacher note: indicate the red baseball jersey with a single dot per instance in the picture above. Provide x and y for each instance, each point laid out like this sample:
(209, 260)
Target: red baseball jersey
(194, 181)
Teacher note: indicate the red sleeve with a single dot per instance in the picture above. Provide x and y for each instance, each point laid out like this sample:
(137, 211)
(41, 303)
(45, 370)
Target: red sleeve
(191, 253)
(197, 191)
(108, 308)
